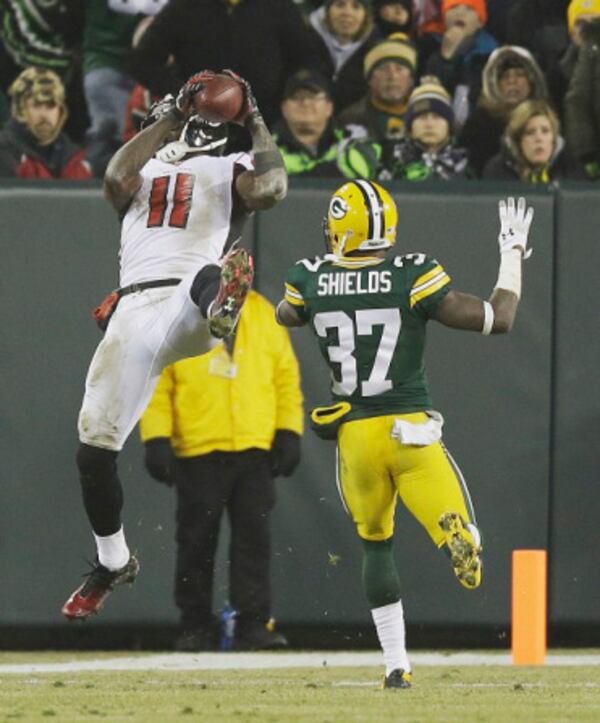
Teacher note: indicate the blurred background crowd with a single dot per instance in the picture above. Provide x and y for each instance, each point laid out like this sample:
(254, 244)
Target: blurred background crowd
(378, 89)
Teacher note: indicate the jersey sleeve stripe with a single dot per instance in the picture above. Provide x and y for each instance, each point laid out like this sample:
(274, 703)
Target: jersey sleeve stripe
(429, 275)
(293, 296)
(425, 290)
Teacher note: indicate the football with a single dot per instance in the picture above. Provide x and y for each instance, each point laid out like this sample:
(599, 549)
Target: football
(220, 100)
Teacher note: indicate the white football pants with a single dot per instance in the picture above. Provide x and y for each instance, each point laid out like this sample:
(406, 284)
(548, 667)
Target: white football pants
(149, 330)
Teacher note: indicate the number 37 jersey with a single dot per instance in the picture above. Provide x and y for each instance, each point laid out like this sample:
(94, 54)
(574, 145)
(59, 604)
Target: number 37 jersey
(181, 218)
(369, 316)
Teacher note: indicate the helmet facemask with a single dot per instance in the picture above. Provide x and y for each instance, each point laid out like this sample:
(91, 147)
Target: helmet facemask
(197, 136)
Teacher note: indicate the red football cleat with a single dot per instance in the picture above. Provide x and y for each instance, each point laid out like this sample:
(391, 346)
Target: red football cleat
(89, 598)
(237, 273)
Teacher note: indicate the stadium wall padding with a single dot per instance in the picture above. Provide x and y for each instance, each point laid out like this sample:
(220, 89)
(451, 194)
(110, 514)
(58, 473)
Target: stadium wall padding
(521, 414)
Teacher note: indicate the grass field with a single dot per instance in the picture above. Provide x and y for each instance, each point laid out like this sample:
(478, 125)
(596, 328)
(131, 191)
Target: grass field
(320, 693)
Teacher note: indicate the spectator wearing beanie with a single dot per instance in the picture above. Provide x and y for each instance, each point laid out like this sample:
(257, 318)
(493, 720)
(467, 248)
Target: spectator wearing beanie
(511, 76)
(343, 32)
(428, 151)
(462, 53)
(389, 69)
(580, 14)
(582, 102)
(33, 143)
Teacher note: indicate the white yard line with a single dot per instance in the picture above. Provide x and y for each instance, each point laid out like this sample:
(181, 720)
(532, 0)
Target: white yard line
(255, 661)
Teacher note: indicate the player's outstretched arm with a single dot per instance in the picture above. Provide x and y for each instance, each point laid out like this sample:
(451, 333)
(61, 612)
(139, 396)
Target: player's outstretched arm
(497, 315)
(286, 315)
(122, 178)
(267, 183)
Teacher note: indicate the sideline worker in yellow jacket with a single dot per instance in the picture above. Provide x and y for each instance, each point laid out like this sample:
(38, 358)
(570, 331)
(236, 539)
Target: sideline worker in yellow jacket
(219, 428)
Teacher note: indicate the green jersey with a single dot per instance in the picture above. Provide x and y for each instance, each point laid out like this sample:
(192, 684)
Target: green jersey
(369, 317)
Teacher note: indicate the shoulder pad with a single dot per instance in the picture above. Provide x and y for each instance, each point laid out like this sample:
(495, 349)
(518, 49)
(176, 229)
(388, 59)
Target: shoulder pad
(413, 259)
(313, 264)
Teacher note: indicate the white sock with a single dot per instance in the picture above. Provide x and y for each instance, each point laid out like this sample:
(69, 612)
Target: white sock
(389, 621)
(113, 552)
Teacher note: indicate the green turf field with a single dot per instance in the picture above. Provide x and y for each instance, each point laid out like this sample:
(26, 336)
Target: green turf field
(327, 694)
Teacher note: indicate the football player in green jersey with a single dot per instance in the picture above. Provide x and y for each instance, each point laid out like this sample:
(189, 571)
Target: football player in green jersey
(368, 310)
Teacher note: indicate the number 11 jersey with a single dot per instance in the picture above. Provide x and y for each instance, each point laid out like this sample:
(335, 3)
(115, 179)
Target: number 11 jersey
(369, 316)
(181, 218)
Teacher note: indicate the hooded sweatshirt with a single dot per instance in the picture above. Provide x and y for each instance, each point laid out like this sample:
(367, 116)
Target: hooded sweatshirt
(484, 128)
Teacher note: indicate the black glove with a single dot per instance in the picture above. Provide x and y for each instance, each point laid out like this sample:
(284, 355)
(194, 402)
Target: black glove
(188, 90)
(160, 460)
(163, 108)
(285, 452)
(250, 109)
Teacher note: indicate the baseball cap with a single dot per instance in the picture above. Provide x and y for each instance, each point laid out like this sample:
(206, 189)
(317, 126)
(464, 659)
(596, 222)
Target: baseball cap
(306, 80)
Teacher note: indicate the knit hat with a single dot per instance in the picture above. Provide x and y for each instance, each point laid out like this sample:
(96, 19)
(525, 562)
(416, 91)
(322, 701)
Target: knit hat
(395, 47)
(480, 7)
(581, 7)
(429, 97)
(44, 86)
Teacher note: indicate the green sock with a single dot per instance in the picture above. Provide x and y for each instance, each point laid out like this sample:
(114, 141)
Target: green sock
(380, 577)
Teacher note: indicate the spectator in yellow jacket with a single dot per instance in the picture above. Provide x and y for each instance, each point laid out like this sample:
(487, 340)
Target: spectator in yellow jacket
(220, 428)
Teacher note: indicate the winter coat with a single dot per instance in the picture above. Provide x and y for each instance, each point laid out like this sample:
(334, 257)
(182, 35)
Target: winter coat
(203, 409)
(482, 133)
(22, 156)
(541, 27)
(340, 153)
(265, 41)
(107, 35)
(42, 33)
(348, 82)
(412, 162)
(466, 67)
(582, 102)
(563, 166)
(379, 124)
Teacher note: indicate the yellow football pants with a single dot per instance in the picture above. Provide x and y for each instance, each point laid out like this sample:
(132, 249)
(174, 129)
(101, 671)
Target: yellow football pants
(374, 468)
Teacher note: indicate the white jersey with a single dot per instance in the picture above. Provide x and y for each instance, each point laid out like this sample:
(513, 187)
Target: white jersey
(180, 218)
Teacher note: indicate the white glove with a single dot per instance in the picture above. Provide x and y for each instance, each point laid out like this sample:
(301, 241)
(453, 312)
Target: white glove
(514, 225)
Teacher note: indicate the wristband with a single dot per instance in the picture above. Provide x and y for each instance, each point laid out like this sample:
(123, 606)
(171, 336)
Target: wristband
(509, 273)
(488, 318)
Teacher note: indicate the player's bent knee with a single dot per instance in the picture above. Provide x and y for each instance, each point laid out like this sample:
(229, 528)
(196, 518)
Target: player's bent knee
(95, 464)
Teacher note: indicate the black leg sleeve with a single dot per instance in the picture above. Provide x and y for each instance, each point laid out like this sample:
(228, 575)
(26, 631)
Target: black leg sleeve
(205, 287)
(101, 487)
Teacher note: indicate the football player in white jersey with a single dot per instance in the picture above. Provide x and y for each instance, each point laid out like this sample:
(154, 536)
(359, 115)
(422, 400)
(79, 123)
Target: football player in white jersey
(182, 283)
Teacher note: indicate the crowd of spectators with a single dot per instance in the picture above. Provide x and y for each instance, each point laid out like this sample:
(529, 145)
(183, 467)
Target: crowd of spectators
(379, 89)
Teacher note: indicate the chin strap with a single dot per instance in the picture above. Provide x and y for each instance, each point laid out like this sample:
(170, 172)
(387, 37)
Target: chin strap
(172, 152)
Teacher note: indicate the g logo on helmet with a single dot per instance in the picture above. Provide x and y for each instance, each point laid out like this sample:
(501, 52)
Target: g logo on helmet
(338, 208)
